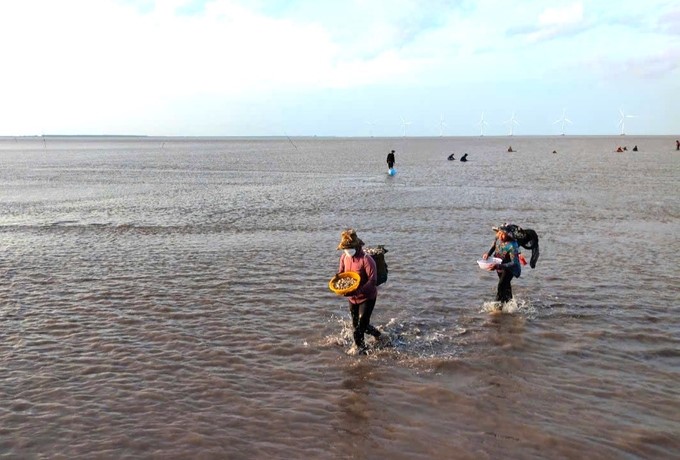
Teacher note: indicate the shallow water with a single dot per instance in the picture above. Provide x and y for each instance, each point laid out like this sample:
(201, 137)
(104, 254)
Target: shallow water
(167, 298)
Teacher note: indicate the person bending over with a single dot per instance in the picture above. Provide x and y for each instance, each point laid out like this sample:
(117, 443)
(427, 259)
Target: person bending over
(505, 248)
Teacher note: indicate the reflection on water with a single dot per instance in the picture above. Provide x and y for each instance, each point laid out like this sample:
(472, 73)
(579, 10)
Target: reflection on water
(355, 402)
(508, 329)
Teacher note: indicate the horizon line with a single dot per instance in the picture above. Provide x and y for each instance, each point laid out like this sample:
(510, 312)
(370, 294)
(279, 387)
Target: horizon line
(312, 136)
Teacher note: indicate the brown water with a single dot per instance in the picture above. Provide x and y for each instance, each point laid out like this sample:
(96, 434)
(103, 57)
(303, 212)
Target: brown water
(167, 298)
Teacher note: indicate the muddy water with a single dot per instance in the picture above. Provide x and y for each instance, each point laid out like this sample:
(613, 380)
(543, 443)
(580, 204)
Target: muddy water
(167, 298)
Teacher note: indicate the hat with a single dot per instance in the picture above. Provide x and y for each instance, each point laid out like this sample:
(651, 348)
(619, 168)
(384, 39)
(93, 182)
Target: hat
(349, 239)
(506, 228)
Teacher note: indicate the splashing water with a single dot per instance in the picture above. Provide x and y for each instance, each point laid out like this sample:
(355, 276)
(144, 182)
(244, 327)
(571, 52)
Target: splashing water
(513, 306)
(402, 340)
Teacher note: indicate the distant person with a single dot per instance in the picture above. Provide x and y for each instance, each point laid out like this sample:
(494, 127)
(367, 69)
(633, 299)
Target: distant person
(506, 248)
(677, 144)
(362, 300)
(390, 160)
(554, 151)
(635, 149)
(464, 158)
(451, 157)
(510, 149)
(625, 148)
(619, 149)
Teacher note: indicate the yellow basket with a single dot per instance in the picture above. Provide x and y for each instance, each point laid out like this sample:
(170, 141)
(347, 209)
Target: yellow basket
(354, 275)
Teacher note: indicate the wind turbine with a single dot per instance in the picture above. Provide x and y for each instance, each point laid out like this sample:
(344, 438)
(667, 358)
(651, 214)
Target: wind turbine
(481, 123)
(563, 119)
(442, 124)
(622, 121)
(404, 124)
(512, 121)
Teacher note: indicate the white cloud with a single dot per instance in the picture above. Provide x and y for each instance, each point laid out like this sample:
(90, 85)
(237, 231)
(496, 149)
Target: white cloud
(566, 15)
(104, 63)
(558, 21)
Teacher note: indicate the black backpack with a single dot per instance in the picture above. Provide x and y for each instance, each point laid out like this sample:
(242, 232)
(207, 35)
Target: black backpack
(528, 239)
(378, 255)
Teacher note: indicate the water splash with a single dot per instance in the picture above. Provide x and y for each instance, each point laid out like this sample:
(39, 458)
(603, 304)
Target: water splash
(513, 306)
(403, 340)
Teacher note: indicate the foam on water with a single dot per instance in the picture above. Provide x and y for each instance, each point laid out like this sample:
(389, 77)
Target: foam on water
(513, 306)
(404, 341)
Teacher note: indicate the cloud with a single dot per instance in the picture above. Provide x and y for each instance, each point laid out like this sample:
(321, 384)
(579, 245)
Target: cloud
(567, 15)
(114, 60)
(553, 23)
(669, 22)
(654, 66)
(225, 49)
(235, 48)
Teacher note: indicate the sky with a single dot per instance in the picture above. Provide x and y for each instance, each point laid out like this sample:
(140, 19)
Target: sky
(339, 68)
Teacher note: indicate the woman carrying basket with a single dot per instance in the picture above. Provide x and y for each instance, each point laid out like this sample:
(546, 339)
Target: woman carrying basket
(362, 300)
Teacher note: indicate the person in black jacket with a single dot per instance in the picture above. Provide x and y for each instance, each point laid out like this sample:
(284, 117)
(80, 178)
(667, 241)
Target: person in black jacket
(390, 160)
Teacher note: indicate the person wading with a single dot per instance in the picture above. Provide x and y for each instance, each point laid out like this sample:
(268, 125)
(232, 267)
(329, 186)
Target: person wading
(505, 248)
(390, 160)
(362, 300)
